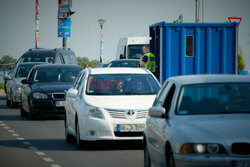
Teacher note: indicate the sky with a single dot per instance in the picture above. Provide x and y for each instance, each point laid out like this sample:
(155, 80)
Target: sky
(128, 18)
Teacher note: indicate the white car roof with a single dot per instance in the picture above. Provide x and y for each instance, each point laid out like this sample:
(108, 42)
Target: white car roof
(118, 71)
(220, 78)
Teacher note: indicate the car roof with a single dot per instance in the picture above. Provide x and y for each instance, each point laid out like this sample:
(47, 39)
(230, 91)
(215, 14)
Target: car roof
(125, 60)
(32, 63)
(57, 66)
(46, 52)
(210, 78)
(118, 71)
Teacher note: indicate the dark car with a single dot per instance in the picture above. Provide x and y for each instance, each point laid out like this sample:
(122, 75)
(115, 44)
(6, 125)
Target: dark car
(43, 92)
(54, 56)
(133, 63)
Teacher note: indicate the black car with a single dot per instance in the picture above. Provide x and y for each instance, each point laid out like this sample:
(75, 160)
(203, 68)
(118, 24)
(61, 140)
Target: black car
(54, 56)
(133, 63)
(43, 92)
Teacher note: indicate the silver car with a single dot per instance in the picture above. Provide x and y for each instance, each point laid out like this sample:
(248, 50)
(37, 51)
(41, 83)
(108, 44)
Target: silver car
(199, 121)
(13, 84)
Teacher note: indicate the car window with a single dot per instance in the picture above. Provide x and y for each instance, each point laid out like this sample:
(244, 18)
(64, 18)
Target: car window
(69, 58)
(163, 95)
(80, 82)
(159, 93)
(169, 98)
(23, 71)
(58, 59)
(76, 84)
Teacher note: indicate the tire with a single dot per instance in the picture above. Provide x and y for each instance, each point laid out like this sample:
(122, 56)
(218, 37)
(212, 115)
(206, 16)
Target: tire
(170, 158)
(68, 136)
(12, 103)
(147, 160)
(31, 115)
(7, 102)
(22, 112)
(79, 143)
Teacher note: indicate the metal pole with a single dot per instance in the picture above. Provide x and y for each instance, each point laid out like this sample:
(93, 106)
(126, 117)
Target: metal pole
(64, 43)
(37, 25)
(101, 44)
(197, 4)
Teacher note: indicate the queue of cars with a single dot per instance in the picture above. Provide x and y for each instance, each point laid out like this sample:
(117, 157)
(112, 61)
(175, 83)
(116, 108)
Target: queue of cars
(200, 120)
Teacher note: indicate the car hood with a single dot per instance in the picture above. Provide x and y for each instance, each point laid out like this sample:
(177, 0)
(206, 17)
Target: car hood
(50, 87)
(121, 102)
(18, 80)
(215, 128)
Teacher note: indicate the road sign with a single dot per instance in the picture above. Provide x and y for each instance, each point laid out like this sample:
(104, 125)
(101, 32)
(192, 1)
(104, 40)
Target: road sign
(64, 27)
(64, 8)
(235, 19)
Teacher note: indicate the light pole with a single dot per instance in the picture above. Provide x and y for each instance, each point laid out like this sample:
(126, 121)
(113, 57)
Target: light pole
(37, 25)
(101, 22)
(197, 6)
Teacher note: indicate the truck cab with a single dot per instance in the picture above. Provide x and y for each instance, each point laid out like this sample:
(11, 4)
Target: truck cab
(131, 47)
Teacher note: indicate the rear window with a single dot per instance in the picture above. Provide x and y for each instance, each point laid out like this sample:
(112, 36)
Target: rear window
(124, 64)
(69, 58)
(37, 58)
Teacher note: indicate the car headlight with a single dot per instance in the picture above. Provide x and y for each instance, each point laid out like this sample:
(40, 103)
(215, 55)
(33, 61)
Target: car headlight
(94, 112)
(201, 148)
(18, 88)
(40, 96)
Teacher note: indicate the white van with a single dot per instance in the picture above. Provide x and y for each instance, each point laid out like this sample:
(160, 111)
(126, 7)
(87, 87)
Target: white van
(131, 47)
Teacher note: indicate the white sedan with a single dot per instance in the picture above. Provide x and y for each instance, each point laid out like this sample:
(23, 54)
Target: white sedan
(109, 104)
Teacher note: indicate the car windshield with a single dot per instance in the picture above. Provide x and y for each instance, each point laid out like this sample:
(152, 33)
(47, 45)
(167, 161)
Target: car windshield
(23, 71)
(37, 58)
(56, 74)
(135, 51)
(124, 64)
(225, 98)
(69, 58)
(121, 84)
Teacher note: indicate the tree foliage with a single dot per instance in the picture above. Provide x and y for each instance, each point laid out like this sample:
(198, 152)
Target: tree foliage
(7, 60)
(241, 64)
(83, 61)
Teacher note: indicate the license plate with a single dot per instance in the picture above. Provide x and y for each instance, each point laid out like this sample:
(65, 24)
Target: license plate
(59, 103)
(130, 127)
(241, 164)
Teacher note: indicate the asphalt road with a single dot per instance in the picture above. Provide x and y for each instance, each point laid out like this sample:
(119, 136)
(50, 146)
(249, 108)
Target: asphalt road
(40, 143)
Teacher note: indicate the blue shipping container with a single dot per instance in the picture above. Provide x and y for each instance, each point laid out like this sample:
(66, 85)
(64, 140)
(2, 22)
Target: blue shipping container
(194, 48)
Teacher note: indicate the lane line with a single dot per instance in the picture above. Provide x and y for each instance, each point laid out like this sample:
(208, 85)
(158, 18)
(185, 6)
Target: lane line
(20, 138)
(6, 127)
(26, 143)
(15, 134)
(40, 153)
(48, 159)
(11, 131)
(33, 148)
(55, 165)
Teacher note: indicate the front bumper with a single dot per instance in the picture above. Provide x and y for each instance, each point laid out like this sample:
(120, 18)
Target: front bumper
(17, 96)
(93, 129)
(211, 160)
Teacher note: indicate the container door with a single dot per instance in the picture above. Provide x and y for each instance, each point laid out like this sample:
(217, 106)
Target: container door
(188, 57)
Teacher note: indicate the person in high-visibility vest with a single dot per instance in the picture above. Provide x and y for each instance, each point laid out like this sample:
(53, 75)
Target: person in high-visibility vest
(148, 60)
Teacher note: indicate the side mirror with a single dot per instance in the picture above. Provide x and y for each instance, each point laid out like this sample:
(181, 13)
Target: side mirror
(122, 56)
(72, 93)
(7, 77)
(158, 112)
(11, 67)
(25, 81)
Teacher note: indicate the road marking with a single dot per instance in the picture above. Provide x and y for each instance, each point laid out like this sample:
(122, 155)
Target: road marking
(2, 124)
(26, 143)
(40, 153)
(20, 138)
(55, 165)
(6, 127)
(15, 134)
(48, 159)
(11, 131)
(33, 148)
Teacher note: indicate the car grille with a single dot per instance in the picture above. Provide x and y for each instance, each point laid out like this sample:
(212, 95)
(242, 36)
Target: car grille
(122, 114)
(128, 134)
(60, 96)
(241, 148)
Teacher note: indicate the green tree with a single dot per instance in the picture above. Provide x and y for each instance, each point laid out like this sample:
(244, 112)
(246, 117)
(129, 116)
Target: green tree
(7, 60)
(93, 63)
(241, 64)
(82, 61)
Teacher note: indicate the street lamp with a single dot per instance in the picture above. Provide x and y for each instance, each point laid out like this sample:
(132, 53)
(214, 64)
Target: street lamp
(101, 22)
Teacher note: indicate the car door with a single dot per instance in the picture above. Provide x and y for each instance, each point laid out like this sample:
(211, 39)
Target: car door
(26, 88)
(73, 103)
(156, 134)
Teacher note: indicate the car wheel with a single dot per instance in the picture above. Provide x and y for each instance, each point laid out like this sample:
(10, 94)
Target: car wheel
(170, 158)
(68, 136)
(12, 103)
(31, 115)
(78, 139)
(7, 102)
(147, 161)
(22, 111)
